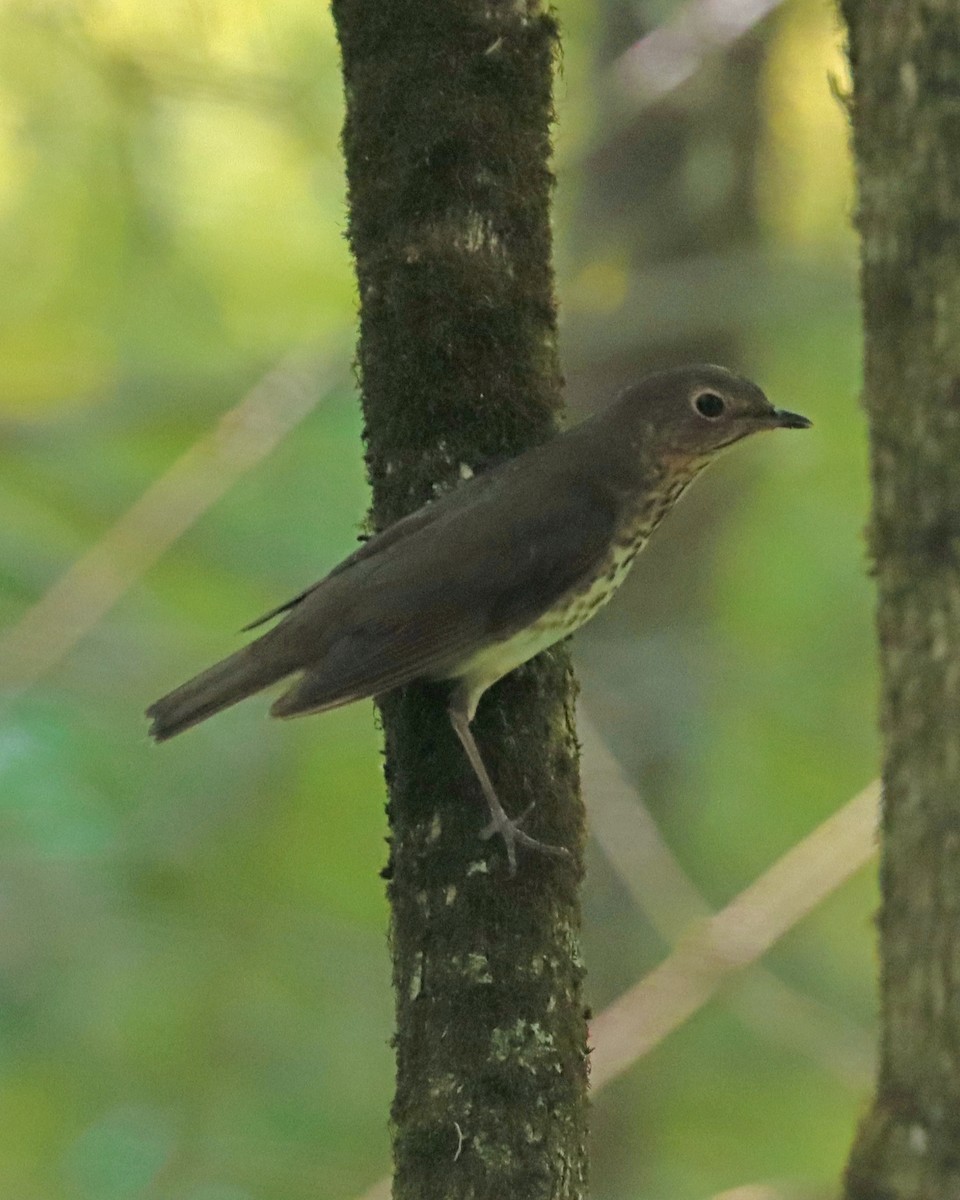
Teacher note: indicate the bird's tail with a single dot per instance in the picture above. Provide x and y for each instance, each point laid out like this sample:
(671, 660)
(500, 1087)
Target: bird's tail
(225, 683)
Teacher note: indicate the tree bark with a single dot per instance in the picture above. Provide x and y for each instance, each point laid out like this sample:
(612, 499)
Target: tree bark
(447, 150)
(905, 59)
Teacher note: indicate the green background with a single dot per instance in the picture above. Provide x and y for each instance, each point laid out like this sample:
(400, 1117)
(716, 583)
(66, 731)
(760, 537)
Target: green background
(194, 979)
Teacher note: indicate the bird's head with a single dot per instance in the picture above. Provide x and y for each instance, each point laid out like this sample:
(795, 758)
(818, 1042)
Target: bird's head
(695, 412)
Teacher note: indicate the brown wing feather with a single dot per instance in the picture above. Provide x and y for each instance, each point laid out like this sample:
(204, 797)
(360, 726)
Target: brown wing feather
(380, 542)
(373, 662)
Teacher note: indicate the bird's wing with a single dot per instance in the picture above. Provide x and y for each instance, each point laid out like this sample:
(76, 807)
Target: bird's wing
(478, 576)
(372, 660)
(400, 530)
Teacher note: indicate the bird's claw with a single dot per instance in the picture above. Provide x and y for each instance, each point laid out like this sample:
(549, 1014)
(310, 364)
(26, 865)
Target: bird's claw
(513, 835)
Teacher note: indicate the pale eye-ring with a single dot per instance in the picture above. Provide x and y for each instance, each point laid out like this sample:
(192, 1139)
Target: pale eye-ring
(709, 405)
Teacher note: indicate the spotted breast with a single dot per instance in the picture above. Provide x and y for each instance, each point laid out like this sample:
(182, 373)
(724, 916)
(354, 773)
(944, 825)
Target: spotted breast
(497, 659)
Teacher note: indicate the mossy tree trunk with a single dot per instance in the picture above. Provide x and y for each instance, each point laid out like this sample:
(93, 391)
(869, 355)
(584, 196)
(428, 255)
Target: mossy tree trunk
(905, 59)
(447, 151)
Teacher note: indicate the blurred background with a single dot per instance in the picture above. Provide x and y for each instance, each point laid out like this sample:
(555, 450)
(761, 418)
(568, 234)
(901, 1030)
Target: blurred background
(194, 978)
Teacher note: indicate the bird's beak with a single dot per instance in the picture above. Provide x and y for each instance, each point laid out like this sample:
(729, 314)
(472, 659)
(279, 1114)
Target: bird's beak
(790, 420)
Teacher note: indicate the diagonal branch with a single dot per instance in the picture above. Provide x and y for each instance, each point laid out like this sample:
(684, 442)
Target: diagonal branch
(716, 949)
(97, 580)
(624, 829)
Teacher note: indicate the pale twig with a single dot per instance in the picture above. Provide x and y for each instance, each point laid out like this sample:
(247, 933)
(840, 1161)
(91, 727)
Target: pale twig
(659, 63)
(380, 1191)
(623, 827)
(671, 53)
(751, 1191)
(94, 583)
(713, 951)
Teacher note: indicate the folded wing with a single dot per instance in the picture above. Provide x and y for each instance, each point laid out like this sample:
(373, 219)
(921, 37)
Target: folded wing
(473, 577)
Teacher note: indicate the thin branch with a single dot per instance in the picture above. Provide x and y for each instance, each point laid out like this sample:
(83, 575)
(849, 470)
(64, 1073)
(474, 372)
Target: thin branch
(669, 55)
(380, 1191)
(625, 830)
(716, 949)
(752, 1191)
(659, 63)
(96, 581)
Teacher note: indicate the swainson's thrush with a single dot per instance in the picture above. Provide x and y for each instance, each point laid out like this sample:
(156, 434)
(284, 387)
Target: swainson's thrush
(473, 584)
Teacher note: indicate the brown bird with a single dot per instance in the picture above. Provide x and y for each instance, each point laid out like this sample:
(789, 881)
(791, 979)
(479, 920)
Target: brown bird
(473, 584)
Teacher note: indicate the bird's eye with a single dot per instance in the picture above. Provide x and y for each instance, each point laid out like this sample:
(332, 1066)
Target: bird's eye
(709, 405)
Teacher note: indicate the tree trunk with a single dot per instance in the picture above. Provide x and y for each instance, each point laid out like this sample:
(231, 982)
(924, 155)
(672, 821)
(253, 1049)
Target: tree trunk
(905, 58)
(447, 150)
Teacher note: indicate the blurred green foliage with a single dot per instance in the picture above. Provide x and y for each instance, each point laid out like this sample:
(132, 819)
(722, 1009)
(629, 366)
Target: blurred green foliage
(194, 982)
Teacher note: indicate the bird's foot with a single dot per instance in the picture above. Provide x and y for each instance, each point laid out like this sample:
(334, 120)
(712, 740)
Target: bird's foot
(512, 833)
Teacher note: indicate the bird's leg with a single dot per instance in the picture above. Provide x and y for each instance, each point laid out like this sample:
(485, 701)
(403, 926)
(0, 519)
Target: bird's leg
(509, 829)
